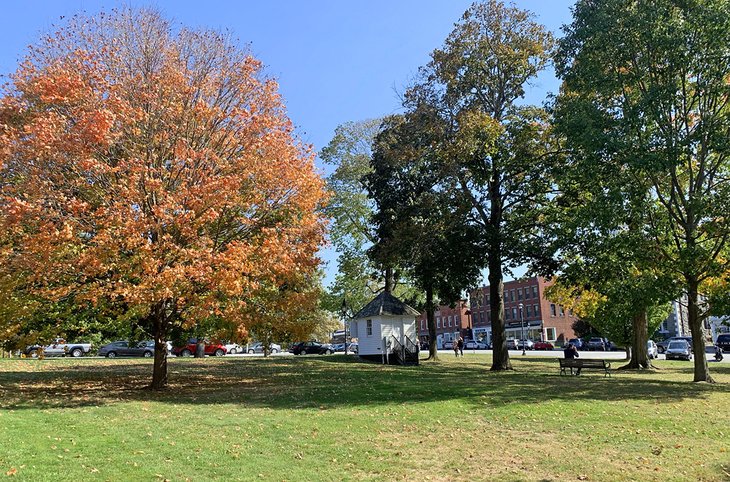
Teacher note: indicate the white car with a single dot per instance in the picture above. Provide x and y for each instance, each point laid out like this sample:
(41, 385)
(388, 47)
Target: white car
(475, 345)
(233, 348)
(652, 349)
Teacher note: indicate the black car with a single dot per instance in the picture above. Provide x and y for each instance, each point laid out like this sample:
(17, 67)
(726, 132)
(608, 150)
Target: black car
(311, 348)
(124, 348)
(661, 346)
(723, 341)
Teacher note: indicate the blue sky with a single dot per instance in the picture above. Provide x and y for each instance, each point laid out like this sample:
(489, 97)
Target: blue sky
(336, 61)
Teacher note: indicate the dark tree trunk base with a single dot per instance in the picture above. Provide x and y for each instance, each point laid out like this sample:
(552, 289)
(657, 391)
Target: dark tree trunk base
(501, 368)
(635, 366)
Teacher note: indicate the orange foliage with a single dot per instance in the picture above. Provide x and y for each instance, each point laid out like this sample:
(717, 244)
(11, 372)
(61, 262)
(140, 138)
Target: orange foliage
(155, 167)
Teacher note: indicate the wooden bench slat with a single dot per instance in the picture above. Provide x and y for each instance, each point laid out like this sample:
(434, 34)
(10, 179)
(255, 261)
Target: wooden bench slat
(589, 364)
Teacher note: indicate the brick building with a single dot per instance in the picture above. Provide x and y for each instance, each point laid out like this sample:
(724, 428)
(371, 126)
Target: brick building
(449, 321)
(543, 320)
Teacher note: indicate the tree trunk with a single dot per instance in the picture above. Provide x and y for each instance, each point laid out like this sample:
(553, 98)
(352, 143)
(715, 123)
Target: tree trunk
(639, 339)
(500, 355)
(702, 371)
(159, 367)
(200, 349)
(431, 322)
(389, 280)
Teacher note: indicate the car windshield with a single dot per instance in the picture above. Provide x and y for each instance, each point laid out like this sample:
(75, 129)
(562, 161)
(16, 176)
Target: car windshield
(677, 345)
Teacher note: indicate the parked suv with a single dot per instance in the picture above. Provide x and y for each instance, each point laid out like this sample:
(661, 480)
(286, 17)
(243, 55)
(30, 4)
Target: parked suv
(723, 341)
(662, 345)
(596, 344)
(215, 348)
(678, 350)
(311, 347)
(577, 342)
(527, 344)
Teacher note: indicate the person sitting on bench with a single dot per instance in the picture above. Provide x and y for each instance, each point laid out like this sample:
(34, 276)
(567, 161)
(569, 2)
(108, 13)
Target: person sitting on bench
(571, 352)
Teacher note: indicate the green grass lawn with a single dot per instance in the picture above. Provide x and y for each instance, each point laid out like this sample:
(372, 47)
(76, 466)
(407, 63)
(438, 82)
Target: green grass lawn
(333, 418)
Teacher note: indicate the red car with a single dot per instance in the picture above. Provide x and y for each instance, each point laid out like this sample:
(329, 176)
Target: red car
(543, 345)
(212, 348)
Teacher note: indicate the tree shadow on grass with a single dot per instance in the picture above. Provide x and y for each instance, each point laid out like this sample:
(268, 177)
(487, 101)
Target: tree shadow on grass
(333, 381)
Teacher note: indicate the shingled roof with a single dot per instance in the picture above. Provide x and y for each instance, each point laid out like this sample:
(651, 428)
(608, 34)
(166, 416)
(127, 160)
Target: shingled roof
(386, 304)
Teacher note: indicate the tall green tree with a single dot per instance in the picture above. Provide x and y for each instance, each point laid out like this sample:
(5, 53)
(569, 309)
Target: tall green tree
(350, 210)
(655, 75)
(496, 150)
(598, 217)
(422, 221)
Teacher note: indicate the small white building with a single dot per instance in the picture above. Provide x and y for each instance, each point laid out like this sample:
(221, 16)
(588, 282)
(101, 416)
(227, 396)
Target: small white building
(386, 331)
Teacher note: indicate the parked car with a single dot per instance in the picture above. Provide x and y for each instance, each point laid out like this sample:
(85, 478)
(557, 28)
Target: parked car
(543, 345)
(526, 344)
(258, 347)
(448, 345)
(144, 349)
(233, 348)
(212, 348)
(596, 344)
(311, 348)
(577, 342)
(662, 345)
(353, 348)
(59, 347)
(678, 350)
(723, 341)
(512, 344)
(651, 349)
(475, 345)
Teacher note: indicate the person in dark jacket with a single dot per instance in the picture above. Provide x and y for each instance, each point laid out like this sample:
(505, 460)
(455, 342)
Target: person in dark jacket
(460, 344)
(571, 352)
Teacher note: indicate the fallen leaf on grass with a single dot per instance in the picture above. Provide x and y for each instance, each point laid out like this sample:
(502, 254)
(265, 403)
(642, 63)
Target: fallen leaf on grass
(11, 472)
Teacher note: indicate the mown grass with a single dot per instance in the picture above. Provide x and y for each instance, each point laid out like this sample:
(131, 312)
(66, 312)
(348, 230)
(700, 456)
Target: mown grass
(333, 418)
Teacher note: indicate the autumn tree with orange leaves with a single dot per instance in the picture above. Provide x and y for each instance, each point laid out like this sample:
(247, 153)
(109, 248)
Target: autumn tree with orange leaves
(155, 167)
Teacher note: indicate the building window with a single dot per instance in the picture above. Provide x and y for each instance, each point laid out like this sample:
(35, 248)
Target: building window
(438, 322)
(514, 313)
(528, 308)
(511, 295)
(562, 313)
(519, 294)
(506, 295)
(536, 309)
(449, 322)
(506, 315)
(551, 334)
(370, 327)
(527, 293)
(552, 309)
(534, 292)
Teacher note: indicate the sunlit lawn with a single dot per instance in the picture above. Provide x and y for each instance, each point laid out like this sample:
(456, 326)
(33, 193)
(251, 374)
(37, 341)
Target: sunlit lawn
(333, 418)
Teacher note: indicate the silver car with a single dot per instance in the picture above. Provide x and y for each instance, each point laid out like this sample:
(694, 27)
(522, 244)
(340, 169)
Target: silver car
(259, 348)
(678, 350)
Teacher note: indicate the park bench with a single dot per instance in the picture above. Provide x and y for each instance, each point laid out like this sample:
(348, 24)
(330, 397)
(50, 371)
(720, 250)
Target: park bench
(571, 363)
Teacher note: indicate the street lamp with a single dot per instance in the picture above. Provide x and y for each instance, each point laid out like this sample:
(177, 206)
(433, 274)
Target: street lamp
(522, 328)
(344, 321)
